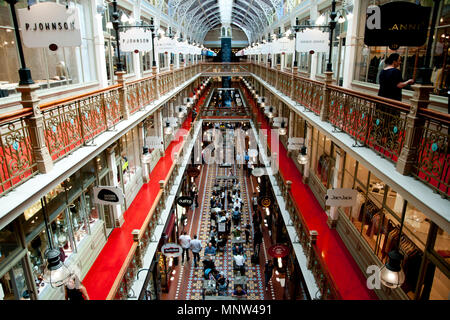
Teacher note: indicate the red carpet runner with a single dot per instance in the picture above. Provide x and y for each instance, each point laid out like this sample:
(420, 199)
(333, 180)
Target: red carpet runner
(102, 274)
(349, 280)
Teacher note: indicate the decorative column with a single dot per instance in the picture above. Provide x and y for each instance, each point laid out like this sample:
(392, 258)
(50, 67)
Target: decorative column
(99, 46)
(35, 124)
(117, 209)
(414, 129)
(145, 164)
(123, 95)
(338, 167)
(308, 144)
(324, 109)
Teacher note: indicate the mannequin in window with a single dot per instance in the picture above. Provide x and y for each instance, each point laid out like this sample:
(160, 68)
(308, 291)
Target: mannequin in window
(61, 70)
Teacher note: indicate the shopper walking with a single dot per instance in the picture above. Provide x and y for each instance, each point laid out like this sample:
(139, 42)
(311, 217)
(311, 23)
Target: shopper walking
(74, 290)
(185, 242)
(257, 240)
(268, 271)
(196, 247)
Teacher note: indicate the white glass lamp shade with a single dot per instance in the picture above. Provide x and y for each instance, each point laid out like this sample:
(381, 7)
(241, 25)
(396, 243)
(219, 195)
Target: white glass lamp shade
(168, 129)
(56, 273)
(282, 131)
(109, 25)
(391, 274)
(302, 159)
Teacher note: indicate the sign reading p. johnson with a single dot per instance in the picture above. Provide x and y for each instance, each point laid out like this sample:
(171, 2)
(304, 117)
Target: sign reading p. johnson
(49, 23)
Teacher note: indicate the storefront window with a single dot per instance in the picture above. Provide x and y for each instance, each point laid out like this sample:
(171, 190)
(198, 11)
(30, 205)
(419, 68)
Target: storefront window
(162, 61)
(13, 284)
(130, 156)
(8, 242)
(370, 60)
(49, 69)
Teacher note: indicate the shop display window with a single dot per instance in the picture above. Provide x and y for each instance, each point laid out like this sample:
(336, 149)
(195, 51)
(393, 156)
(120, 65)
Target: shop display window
(325, 163)
(13, 285)
(130, 156)
(8, 242)
(36, 249)
(77, 213)
(440, 289)
(370, 60)
(49, 69)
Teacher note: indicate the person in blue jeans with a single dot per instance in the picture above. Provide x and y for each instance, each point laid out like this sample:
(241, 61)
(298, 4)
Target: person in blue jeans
(196, 247)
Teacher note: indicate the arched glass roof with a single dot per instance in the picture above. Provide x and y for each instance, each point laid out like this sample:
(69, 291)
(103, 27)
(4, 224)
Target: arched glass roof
(197, 17)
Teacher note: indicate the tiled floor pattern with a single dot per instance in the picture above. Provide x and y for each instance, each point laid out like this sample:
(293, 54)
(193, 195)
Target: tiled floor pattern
(224, 261)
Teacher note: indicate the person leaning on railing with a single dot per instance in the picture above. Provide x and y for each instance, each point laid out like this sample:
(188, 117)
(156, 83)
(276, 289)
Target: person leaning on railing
(391, 82)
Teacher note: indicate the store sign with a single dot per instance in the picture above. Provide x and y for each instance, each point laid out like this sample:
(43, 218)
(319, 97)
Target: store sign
(278, 251)
(312, 39)
(154, 142)
(265, 202)
(136, 39)
(171, 250)
(185, 201)
(396, 24)
(295, 143)
(341, 197)
(193, 172)
(49, 24)
(258, 172)
(108, 195)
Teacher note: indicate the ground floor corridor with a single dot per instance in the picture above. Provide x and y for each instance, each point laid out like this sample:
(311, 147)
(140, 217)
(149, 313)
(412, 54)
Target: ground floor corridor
(188, 280)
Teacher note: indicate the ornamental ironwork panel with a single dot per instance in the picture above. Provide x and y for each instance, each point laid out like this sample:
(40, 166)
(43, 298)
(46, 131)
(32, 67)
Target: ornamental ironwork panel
(17, 163)
(433, 158)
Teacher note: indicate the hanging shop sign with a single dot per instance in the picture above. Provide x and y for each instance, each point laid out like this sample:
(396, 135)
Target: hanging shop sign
(295, 143)
(265, 201)
(185, 201)
(278, 251)
(154, 142)
(193, 172)
(108, 195)
(49, 24)
(258, 172)
(396, 24)
(341, 197)
(134, 39)
(171, 250)
(312, 40)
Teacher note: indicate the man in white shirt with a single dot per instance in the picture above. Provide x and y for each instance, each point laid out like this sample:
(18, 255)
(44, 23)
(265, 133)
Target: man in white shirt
(196, 247)
(239, 261)
(185, 242)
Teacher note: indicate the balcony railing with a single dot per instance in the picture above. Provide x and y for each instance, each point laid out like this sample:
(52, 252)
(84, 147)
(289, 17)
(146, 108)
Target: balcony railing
(65, 125)
(134, 261)
(386, 126)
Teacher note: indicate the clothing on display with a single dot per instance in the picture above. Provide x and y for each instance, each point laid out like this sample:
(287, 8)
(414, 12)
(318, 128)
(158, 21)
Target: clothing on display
(323, 166)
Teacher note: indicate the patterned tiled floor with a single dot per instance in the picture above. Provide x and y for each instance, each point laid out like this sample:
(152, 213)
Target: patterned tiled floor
(224, 260)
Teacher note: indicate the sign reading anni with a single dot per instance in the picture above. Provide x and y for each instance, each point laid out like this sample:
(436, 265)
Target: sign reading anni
(48, 24)
(108, 195)
(136, 39)
(341, 197)
(396, 24)
(312, 39)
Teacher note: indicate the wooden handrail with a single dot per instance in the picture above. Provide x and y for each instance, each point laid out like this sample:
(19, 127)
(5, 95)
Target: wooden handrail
(122, 272)
(13, 115)
(55, 103)
(113, 291)
(435, 115)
